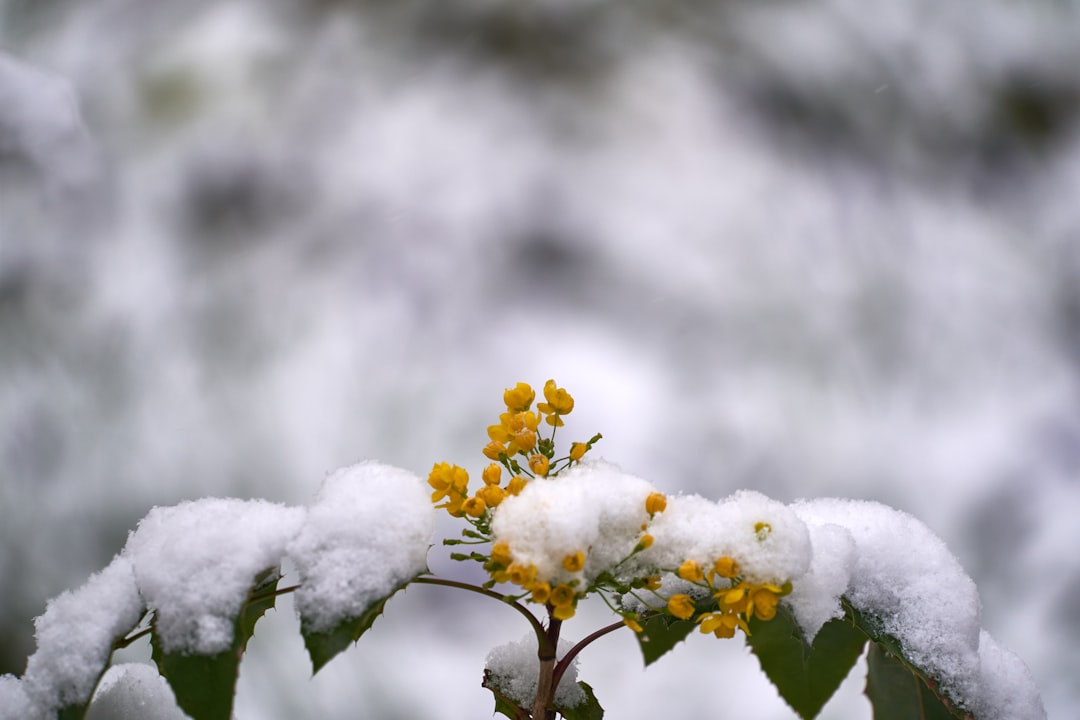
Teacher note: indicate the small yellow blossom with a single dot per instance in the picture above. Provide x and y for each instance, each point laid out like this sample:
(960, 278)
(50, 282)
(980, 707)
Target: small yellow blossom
(492, 474)
(578, 450)
(516, 485)
(559, 402)
(644, 543)
(726, 567)
(516, 430)
(652, 582)
(722, 625)
(519, 398)
(448, 480)
(474, 507)
(656, 502)
(762, 601)
(521, 574)
(541, 591)
(574, 563)
(493, 449)
(734, 599)
(562, 594)
(492, 495)
(691, 571)
(632, 624)
(500, 554)
(563, 612)
(762, 530)
(539, 465)
(681, 606)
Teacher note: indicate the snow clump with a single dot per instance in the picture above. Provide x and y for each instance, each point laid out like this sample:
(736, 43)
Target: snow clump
(195, 563)
(367, 533)
(592, 508)
(134, 691)
(514, 669)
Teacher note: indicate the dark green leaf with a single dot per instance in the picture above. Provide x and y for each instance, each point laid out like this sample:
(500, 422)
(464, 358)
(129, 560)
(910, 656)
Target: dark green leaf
(587, 709)
(659, 634)
(898, 693)
(205, 685)
(805, 675)
(324, 646)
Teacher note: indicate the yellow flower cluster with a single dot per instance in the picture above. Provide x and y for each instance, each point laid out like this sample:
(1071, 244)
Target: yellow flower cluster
(735, 604)
(561, 597)
(517, 434)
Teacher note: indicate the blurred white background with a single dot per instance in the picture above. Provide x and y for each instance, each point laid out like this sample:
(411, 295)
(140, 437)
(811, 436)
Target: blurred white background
(810, 247)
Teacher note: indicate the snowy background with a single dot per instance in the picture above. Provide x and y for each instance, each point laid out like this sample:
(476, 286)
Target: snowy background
(808, 247)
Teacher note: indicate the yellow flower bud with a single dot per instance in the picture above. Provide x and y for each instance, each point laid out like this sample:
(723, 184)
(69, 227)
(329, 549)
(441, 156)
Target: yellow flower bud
(562, 594)
(691, 571)
(578, 450)
(726, 567)
(519, 397)
(558, 400)
(541, 591)
(563, 612)
(493, 449)
(492, 474)
(516, 485)
(652, 583)
(644, 543)
(538, 464)
(500, 554)
(632, 624)
(521, 574)
(474, 507)
(492, 495)
(762, 530)
(575, 562)
(681, 606)
(656, 502)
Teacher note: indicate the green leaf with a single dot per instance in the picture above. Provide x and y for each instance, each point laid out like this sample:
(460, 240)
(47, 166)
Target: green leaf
(805, 675)
(661, 633)
(587, 709)
(324, 646)
(898, 693)
(205, 685)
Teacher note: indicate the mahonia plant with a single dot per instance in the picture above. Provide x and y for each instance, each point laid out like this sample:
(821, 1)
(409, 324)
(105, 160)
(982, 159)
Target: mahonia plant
(809, 586)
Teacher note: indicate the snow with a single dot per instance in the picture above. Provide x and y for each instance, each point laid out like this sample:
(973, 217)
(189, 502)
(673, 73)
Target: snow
(367, 533)
(134, 691)
(815, 597)
(75, 636)
(764, 536)
(195, 563)
(1006, 689)
(14, 703)
(593, 507)
(515, 670)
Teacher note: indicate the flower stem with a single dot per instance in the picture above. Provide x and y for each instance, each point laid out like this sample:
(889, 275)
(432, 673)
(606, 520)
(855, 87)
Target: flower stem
(537, 627)
(545, 687)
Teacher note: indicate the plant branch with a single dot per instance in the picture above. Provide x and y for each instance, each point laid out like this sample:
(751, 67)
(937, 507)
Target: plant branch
(506, 600)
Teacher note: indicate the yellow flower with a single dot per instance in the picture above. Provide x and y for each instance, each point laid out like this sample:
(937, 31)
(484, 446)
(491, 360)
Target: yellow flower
(516, 485)
(561, 595)
(763, 600)
(492, 495)
(539, 465)
(493, 449)
(519, 397)
(574, 563)
(541, 591)
(516, 430)
(563, 612)
(722, 625)
(522, 574)
(734, 599)
(652, 582)
(492, 474)
(762, 530)
(500, 554)
(656, 502)
(578, 450)
(559, 402)
(726, 567)
(474, 507)
(448, 480)
(691, 571)
(632, 624)
(681, 606)
(644, 543)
